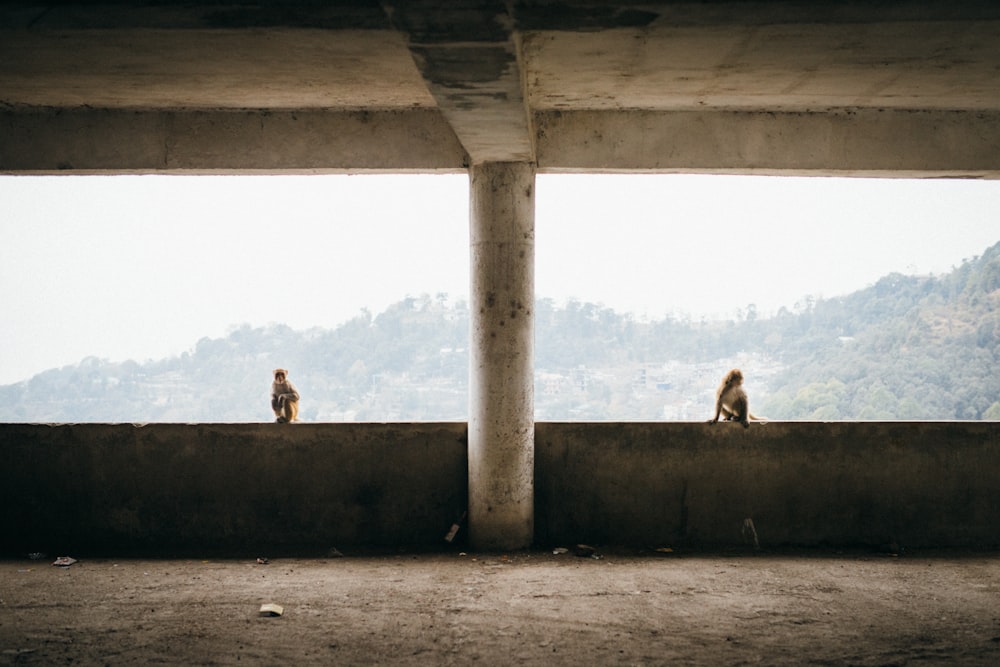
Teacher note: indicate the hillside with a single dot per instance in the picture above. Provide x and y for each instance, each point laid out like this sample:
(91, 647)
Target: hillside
(907, 347)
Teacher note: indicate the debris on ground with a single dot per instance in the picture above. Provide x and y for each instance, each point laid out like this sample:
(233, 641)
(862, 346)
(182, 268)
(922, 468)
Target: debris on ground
(271, 609)
(64, 561)
(560, 550)
(454, 528)
(587, 551)
(750, 533)
(263, 561)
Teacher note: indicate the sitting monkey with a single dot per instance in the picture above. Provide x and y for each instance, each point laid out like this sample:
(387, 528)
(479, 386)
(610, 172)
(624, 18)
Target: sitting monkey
(284, 397)
(731, 400)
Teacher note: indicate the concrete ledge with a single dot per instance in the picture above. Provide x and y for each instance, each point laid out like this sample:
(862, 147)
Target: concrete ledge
(918, 484)
(240, 488)
(245, 489)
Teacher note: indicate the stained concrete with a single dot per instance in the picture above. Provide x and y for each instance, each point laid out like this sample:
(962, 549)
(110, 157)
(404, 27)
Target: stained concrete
(501, 357)
(497, 609)
(225, 488)
(830, 142)
(898, 88)
(304, 141)
(302, 488)
(918, 484)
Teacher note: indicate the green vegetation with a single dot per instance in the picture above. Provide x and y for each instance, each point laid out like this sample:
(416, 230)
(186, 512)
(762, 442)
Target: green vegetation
(907, 347)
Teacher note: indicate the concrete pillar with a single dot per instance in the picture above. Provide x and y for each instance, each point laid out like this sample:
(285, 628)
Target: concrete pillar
(501, 359)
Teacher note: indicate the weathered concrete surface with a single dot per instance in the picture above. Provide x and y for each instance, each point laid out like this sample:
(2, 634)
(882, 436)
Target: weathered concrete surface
(774, 56)
(916, 484)
(234, 488)
(469, 60)
(902, 88)
(534, 609)
(46, 140)
(501, 357)
(855, 141)
(169, 488)
(179, 65)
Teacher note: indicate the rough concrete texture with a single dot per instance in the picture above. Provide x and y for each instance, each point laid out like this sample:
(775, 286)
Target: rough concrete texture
(502, 609)
(303, 488)
(176, 488)
(831, 142)
(914, 484)
(875, 88)
(303, 141)
(501, 361)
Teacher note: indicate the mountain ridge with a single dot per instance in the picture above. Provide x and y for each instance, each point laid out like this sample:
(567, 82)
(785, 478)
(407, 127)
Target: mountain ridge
(906, 347)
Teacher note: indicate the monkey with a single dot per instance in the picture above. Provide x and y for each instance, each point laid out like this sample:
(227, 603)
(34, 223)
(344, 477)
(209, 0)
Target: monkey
(731, 400)
(284, 397)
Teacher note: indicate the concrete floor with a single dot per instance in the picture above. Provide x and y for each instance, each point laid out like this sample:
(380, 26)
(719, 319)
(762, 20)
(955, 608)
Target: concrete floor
(536, 608)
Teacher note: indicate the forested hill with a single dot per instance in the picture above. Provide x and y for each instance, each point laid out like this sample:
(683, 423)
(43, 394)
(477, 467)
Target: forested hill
(907, 347)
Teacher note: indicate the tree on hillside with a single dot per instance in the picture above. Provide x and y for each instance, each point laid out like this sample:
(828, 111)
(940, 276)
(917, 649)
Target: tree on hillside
(908, 347)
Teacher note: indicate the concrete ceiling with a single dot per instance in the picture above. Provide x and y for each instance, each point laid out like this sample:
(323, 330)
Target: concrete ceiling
(892, 87)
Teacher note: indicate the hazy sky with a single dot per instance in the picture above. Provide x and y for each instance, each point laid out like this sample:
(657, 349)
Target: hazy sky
(142, 267)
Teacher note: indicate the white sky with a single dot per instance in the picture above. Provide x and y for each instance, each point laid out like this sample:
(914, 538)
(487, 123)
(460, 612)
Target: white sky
(142, 267)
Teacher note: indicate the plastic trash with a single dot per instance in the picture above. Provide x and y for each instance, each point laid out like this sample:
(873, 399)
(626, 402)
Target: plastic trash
(271, 609)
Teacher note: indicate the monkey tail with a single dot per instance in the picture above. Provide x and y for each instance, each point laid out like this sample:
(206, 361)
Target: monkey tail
(762, 420)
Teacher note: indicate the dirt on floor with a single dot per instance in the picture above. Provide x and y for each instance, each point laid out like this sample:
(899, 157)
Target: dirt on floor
(528, 608)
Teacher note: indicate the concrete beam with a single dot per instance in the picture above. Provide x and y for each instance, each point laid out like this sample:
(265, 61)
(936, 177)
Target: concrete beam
(81, 140)
(467, 54)
(872, 142)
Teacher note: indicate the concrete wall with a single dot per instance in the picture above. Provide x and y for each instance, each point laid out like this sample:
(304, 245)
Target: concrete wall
(919, 484)
(253, 489)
